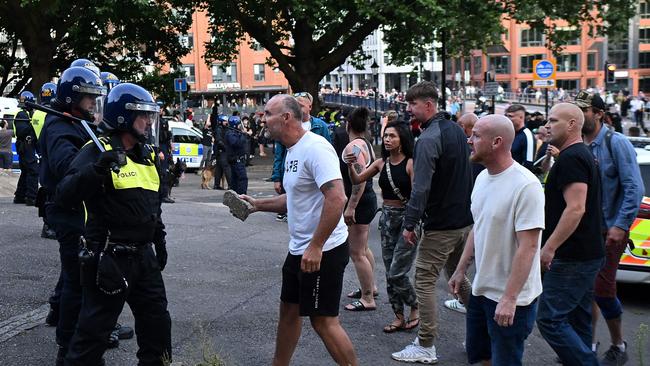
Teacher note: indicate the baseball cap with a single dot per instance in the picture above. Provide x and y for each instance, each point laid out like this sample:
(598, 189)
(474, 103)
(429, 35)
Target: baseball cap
(584, 100)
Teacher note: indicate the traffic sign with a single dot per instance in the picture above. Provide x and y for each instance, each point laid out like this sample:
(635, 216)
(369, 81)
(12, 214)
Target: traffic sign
(491, 89)
(544, 73)
(180, 85)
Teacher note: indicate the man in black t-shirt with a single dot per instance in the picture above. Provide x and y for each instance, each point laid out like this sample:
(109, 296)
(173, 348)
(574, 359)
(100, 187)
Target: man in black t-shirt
(523, 147)
(572, 244)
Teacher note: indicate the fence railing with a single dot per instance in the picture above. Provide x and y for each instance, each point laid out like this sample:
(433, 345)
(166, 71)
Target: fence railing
(380, 104)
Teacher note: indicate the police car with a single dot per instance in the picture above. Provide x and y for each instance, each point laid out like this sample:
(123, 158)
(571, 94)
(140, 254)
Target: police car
(634, 266)
(186, 144)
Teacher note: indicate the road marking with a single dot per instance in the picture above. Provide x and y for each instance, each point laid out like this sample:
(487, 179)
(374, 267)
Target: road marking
(23, 322)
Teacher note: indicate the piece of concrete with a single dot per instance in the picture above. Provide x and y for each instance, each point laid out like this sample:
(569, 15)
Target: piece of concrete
(238, 207)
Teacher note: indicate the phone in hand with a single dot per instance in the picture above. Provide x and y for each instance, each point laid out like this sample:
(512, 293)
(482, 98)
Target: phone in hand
(356, 150)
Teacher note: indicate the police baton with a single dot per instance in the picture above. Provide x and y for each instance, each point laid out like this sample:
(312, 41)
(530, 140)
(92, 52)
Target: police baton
(114, 166)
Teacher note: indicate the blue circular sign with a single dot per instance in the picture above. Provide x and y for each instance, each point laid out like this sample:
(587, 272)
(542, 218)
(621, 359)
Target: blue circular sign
(544, 69)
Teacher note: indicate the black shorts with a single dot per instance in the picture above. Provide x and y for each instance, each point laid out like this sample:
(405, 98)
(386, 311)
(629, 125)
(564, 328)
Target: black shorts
(6, 160)
(366, 208)
(318, 293)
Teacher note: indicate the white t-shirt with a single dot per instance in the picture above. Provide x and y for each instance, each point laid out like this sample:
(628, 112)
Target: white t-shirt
(309, 164)
(503, 204)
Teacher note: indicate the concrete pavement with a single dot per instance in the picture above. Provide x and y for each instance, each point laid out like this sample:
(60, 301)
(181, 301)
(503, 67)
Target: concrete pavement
(223, 284)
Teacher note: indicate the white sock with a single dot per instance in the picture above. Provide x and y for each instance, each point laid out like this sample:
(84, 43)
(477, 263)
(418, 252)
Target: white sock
(621, 346)
(594, 347)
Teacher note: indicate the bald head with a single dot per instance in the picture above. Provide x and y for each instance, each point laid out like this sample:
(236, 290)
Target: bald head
(495, 125)
(570, 111)
(286, 103)
(564, 125)
(466, 122)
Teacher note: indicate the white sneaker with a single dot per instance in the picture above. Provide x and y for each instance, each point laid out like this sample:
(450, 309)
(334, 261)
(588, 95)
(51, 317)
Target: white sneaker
(416, 353)
(455, 305)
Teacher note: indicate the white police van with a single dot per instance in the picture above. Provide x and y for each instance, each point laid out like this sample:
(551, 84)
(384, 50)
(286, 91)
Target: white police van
(8, 109)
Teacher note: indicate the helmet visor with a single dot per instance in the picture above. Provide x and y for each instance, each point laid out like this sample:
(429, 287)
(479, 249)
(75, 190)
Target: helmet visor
(92, 89)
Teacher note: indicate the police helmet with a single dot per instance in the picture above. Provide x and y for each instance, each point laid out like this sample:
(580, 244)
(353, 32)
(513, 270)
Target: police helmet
(48, 92)
(26, 96)
(82, 62)
(124, 104)
(234, 121)
(109, 80)
(75, 83)
(222, 118)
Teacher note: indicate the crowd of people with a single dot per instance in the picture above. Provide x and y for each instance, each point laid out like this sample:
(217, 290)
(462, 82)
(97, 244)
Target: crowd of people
(545, 256)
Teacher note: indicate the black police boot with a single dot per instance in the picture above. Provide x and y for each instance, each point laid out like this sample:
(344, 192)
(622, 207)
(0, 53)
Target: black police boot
(167, 200)
(30, 202)
(52, 318)
(113, 340)
(123, 331)
(60, 356)
(47, 232)
(19, 200)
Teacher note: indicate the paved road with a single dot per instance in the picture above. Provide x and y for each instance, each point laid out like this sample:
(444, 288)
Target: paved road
(223, 284)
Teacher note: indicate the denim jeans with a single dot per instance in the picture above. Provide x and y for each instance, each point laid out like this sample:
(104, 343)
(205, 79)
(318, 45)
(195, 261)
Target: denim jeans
(564, 317)
(487, 340)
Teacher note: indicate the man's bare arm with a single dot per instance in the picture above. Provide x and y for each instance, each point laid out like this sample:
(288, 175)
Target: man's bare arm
(331, 214)
(276, 204)
(522, 262)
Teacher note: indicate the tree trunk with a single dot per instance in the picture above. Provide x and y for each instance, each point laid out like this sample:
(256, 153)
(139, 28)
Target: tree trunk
(40, 70)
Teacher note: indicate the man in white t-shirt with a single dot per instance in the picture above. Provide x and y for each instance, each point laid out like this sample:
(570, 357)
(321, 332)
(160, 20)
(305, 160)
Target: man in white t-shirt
(312, 275)
(508, 212)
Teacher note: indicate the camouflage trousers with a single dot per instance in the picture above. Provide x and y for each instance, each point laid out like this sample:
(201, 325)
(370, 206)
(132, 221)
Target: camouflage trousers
(398, 258)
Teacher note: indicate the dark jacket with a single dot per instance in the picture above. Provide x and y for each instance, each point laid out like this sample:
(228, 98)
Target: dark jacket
(442, 188)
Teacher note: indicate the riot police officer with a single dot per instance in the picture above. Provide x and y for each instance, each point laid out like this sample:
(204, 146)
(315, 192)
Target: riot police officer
(237, 142)
(48, 92)
(87, 64)
(26, 140)
(124, 227)
(221, 152)
(59, 143)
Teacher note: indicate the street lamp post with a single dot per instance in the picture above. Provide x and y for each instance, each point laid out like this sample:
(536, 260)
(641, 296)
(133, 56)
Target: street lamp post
(339, 71)
(375, 74)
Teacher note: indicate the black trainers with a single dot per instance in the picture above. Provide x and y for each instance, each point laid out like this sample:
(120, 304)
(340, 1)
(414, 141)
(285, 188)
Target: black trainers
(30, 202)
(113, 339)
(60, 356)
(614, 356)
(123, 331)
(19, 200)
(52, 318)
(167, 200)
(281, 218)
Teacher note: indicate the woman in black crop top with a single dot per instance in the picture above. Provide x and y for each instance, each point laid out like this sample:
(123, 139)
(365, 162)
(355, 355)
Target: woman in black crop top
(397, 153)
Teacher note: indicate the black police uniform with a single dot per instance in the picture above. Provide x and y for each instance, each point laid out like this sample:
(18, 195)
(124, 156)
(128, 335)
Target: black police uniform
(221, 152)
(59, 143)
(237, 143)
(26, 147)
(124, 220)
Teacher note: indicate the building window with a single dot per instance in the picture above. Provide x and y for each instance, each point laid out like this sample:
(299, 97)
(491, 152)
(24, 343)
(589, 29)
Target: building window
(592, 63)
(531, 38)
(224, 73)
(591, 83)
(617, 49)
(500, 64)
(644, 60)
(256, 46)
(644, 10)
(258, 71)
(644, 35)
(187, 40)
(386, 59)
(478, 64)
(571, 34)
(569, 85)
(526, 63)
(189, 72)
(644, 84)
(570, 62)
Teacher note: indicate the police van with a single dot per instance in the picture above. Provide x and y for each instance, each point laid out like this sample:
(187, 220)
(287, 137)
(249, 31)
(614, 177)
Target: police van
(186, 144)
(8, 110)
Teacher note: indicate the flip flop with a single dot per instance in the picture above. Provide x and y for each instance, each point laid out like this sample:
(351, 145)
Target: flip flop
(356, 294)
(392, 328)
(358, 306)
(407, 327)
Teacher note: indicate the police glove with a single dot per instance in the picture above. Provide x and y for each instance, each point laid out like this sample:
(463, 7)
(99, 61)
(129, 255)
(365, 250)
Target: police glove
(109, 159)
(161, 255)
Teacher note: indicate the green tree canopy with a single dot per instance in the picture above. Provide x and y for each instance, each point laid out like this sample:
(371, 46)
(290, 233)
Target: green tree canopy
(309, 39)
(120, 36)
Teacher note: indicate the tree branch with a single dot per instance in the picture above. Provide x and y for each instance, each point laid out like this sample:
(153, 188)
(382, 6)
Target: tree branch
(352, 43)
(331, 37)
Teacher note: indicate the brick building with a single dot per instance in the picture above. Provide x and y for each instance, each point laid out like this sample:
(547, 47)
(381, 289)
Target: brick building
(246, 77)
(580, 65)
